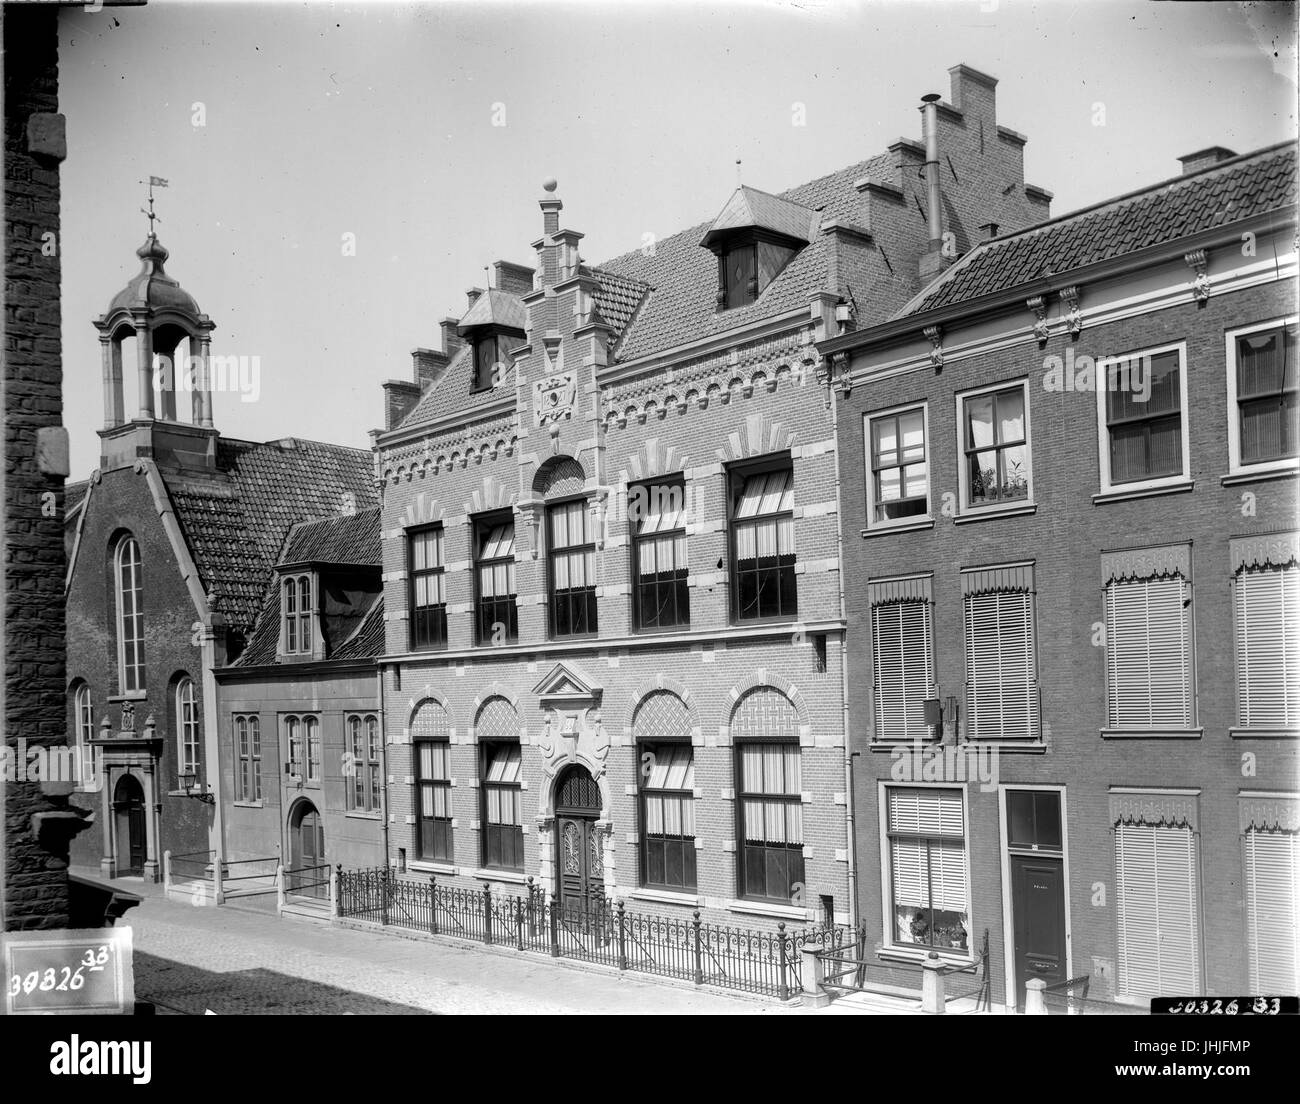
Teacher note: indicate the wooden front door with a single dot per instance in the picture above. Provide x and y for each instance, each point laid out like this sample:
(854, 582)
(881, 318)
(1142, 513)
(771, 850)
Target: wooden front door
(129, 807)
(1038, 909)
(307, 851)
(579, 851)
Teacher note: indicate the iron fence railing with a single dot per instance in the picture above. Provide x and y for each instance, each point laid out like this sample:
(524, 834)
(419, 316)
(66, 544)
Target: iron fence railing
(195, 865)
(605, 932)
(312, 881)
(1070, 998)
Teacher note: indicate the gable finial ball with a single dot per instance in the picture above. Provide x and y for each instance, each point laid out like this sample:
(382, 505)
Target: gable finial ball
(550, 184)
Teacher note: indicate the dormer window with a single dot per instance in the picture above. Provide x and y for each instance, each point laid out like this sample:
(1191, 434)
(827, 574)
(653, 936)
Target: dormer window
(754, 238)
(296, 607)
(492, 356)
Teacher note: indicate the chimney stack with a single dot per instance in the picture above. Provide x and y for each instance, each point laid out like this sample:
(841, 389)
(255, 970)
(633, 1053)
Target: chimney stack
(1203, 159)
(517, 279)
(451, 339)
(988, 230)
(934, 209)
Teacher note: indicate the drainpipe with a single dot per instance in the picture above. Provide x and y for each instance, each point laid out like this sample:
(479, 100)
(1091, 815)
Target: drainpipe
(844, 664)
(934, 209)
(383, 760)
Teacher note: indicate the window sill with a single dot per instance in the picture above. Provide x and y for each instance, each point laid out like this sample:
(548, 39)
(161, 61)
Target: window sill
(665, 897)
(130, 695)
(419, 866)
(517, 877)
(908, 527)
(1287, 470)
(765, 908)
(1152, 733)
(986, 513)
(1143, 491)
(893, 745)
(1238, 732)
(250, 805)
(362, 814)
(1032, 747)
(916, 955)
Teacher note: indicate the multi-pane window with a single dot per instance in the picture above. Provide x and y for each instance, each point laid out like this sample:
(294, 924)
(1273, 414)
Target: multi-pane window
(83, 718)
(428, 588)
(902, 635)
(1267, 414)
(928, 882)
(1266, 616)
(771, 811)
(1149, 676)
(1272, 858)
(296, 604)
(496, 615)
(302, 741)
(668, 816)
(897, 476)
(361, 773)
(1144, 416)
(573, 569)
(129, 576)
(187, 729)
(431, 735)
(661, 599)
(762, 535)
(1001, 665)
(503, 833)
(995, 447)
(1157, 907)
(248, 757)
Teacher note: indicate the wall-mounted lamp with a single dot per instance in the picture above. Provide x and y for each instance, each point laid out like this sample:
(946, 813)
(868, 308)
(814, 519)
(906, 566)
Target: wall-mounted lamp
(189, 783)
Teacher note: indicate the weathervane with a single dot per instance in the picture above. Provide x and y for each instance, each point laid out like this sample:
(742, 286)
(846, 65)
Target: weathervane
(154, 182)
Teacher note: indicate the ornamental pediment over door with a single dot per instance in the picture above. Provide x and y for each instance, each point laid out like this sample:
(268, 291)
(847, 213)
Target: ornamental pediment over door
(571, 730)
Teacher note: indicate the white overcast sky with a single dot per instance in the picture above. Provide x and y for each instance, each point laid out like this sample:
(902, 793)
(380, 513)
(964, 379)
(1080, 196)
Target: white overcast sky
(377, 120)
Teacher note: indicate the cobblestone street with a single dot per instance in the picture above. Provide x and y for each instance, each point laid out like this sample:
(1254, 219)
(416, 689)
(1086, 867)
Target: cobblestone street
(231, 960)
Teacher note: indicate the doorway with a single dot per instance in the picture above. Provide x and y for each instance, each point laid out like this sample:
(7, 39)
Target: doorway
(128, 809)
(579, 853)
(1038, 909)
(306, 873)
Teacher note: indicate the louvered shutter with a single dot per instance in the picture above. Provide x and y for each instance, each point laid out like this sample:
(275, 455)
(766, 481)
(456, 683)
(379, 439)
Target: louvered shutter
(930, 870)
(1268, 646)
(1148, 653)
(1272, 862)
(903, 665)
(1159, 951)
(1002, 692)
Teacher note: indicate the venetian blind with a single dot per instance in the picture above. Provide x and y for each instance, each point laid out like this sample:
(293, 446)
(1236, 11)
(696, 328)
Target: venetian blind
(1159, 951)
(1148, 653)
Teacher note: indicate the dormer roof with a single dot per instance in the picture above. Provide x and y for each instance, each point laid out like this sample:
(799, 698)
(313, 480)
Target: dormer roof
(498, 308)
(750, 209)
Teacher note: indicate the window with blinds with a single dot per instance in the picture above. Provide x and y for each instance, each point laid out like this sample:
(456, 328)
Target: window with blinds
(928, 882)
(431, 736)
(1001, 665)
(661, 598)
(1149, 676)
(771, 812)
(668, 816)
(428, 575)
(1157, 904)
(1267, 628)
(503, 839)
(903, 662)
(763, 554)
(1272, 862)
(1144, 416)
(1268, 417)
(496, 614)
(573, 569)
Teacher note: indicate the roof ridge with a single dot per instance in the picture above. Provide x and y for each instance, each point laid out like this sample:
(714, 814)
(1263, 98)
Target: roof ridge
(227, 440)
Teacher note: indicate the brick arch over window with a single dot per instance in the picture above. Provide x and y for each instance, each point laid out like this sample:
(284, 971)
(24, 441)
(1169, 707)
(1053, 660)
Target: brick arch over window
(661, 715)
(430, 720)
(768, 711)
(561, 475)
(643, 692)
(496, 720)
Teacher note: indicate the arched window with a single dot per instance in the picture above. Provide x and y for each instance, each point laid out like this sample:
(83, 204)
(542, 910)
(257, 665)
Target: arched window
(497, 729)
(765, 731)
(128, 581)
(431, 735)
(187, 730)
(361, 763)
(83, 728)
(302, 742)
(662, 729)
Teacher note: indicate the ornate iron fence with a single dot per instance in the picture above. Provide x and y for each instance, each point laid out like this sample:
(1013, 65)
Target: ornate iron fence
(604, 932)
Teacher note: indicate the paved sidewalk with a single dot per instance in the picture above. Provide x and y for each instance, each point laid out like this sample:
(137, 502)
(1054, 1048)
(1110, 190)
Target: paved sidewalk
(230, 960)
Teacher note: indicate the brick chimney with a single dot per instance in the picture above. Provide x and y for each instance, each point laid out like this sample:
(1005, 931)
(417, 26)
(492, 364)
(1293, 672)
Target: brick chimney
(429, 366)
(517, 279)
(451, 339)
(1203, 159)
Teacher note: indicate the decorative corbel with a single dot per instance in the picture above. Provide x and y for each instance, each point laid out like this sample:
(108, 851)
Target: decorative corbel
(1038, 305)
(842, 377)
(934, 335)
(1073, 319)
(1196, 261)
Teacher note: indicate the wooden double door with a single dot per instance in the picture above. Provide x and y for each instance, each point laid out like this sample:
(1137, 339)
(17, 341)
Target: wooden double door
(307, 852)
(579, 844)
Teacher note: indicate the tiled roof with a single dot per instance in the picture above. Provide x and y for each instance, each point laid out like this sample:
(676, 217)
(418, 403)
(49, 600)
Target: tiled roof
(683, 276)
(617, 297)
(366, 641)
(1225, 193)
(749, 207)
(495, 307)
(453, 393)
(236, 526)
(336, 540)
(73, 493)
